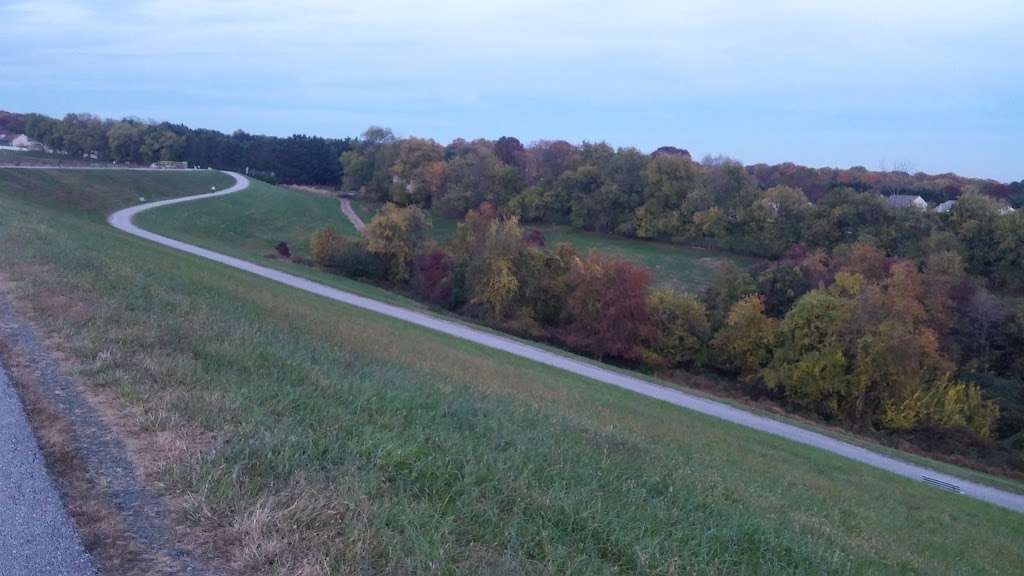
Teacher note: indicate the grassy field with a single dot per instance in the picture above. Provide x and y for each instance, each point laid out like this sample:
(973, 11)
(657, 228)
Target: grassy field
(310, 435)
(257, 220)
(684, 268)
(248, 225)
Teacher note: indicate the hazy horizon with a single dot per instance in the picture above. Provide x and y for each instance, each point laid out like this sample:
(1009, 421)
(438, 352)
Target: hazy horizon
(932, 87)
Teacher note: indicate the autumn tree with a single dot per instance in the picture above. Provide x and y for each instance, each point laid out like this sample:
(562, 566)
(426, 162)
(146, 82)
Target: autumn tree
(397, 234)
(744, 344)
(608, 308)
(432, 277)
(419, 172)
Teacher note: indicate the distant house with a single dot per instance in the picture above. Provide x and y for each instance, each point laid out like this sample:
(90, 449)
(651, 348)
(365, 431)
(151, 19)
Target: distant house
(26, 143)
(1006, 210)
(945, 207)
(906, 201)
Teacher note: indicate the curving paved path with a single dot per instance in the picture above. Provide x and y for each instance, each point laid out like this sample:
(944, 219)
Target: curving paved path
(123, 221)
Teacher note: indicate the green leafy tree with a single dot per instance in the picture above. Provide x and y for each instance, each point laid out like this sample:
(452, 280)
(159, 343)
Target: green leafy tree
(682, 328)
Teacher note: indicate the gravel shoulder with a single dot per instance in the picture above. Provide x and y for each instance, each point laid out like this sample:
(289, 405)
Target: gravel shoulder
(36, 534)
(124, 526)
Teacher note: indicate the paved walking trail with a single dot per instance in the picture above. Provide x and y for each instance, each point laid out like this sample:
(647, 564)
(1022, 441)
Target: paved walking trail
(123, 220)
(36, 534)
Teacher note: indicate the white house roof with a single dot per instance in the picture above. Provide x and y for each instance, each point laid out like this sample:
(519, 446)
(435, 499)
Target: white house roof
(906, 201)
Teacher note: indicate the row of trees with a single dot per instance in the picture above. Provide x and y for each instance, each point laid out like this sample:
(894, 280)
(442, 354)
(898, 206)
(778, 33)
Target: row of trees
(852, 335)
(666, 195)
(297, 159)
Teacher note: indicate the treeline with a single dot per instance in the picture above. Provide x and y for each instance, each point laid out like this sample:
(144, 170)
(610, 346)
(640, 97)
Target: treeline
(856, 337)
(717, 202)
(297, 159)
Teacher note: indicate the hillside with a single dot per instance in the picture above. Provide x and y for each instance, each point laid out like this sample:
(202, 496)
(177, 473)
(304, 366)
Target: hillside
(418, 452)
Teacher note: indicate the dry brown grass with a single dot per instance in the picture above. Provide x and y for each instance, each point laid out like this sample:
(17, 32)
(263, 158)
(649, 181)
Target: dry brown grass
(113, 548)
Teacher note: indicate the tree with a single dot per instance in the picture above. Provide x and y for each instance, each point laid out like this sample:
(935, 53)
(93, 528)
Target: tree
(973, 220)
(681, 324)
(781, 285)
(432, 277)
(608, 308)
(744, 344)
(668, 182)
(397, 235)
(728, 286)
(419, 172)
(1009, 261)
(510, 150)
(125, 140)
(474, 177)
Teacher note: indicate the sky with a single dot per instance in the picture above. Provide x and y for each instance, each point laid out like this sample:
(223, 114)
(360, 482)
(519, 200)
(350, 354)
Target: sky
(922, 85)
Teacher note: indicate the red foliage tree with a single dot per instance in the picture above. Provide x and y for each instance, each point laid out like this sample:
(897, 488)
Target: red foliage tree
(608, 307)
(432, 277)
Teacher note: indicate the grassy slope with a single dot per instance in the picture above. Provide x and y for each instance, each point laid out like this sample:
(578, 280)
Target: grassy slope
(262, 217)
(248, 225)
(353, 441)
(684, 268)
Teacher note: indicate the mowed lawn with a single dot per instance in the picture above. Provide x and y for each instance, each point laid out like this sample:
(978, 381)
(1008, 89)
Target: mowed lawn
(683, 268)
(315, 436)
(256, 221)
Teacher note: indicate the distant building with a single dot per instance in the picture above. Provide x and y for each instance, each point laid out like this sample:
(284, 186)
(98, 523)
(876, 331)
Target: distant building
(1006, 210)
(945, 207)
(906, 201)
(26, 143)
(169, 165)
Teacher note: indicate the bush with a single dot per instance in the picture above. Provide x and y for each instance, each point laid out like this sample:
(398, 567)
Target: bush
(345, 255)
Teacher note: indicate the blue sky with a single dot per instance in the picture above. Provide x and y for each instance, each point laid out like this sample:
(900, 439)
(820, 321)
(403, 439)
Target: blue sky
(928, 85)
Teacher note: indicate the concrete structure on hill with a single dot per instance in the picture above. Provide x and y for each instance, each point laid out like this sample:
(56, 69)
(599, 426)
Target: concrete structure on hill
(906, 201)
(945, 207)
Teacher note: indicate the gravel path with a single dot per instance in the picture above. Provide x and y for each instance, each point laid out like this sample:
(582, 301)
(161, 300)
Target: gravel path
(346, 209)
(36, 535)
(123, 221)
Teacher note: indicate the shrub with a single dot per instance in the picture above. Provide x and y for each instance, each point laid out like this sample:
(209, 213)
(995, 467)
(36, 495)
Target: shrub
(345, 255)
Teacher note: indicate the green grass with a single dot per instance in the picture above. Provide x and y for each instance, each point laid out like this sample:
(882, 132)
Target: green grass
(684, 268)
(257, 220)
(326, 436)
(247, 226)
